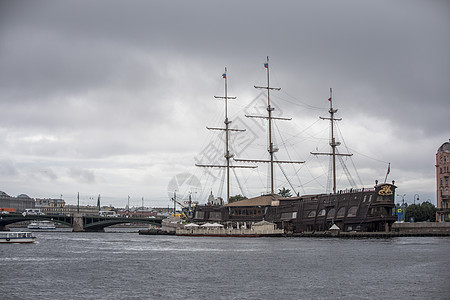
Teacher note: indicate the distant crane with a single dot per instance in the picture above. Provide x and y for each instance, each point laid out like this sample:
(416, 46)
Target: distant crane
(186, 210)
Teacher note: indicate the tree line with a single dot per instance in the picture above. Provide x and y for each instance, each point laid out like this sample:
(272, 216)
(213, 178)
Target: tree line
(423, 212)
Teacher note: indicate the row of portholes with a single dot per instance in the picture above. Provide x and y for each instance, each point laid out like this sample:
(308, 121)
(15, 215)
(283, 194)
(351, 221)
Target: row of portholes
(331, 213)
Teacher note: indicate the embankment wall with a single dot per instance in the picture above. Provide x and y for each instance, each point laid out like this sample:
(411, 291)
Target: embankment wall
(421, 228)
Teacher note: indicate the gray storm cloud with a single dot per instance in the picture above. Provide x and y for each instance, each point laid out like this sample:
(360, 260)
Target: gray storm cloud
(117, 92)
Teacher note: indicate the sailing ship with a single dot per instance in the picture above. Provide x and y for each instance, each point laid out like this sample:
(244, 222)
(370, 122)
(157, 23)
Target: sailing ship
(365, 209)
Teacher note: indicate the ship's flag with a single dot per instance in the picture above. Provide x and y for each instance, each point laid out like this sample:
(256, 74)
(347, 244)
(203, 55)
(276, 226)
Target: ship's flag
(266, 65)
(329, 99)
(224, 75)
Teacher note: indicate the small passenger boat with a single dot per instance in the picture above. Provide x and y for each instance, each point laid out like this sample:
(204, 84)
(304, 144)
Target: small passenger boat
(41, 225)
(16, 237)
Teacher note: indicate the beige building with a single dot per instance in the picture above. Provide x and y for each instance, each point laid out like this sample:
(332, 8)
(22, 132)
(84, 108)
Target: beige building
(50, 202)
(59, 207)
(69, 210)
(442, 183)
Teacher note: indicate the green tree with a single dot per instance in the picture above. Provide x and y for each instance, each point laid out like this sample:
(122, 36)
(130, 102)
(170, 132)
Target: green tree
(426, 211)
(237, 198)
(284, 192)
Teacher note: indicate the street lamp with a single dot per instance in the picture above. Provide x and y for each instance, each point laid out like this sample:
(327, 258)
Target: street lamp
(403, 197)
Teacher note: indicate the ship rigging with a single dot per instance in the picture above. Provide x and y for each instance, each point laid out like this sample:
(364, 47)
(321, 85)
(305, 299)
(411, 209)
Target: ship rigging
(334, 153)
(271, 148)
(366, 209)
(228, 155)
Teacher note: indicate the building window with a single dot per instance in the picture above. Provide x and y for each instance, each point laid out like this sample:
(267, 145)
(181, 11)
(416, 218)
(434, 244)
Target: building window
(352, 211)
(322, 213)
(215, 215)
(289, 215)
(341, 212)
(331, 213)
(199, 214)
(312, 214)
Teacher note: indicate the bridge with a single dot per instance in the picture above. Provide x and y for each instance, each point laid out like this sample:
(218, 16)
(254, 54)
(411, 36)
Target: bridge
(79, 222)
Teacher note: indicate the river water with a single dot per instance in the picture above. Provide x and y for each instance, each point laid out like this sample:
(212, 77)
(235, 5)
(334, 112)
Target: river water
(125, 265)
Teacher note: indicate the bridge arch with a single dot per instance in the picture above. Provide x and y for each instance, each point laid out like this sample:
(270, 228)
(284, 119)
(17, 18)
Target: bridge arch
(78, 222)
(98, 223)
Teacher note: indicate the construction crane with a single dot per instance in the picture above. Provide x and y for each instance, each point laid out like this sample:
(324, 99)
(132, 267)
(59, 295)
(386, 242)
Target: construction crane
(186, 210)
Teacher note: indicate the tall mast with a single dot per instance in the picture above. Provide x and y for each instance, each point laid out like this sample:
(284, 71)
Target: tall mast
(333, 142)
(227, 130)
(271, 149)
(269, 111)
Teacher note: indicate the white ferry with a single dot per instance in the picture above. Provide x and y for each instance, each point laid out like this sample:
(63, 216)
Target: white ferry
(41, 225)
(16, 237)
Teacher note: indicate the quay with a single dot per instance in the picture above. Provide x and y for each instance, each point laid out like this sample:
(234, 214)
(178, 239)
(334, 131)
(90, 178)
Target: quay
(425, 229)
(319, 234)
(356, 235)
(398, 230)
(152, 231)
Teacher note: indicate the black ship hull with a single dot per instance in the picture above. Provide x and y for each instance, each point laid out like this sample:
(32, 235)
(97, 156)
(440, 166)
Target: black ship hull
(367, 210)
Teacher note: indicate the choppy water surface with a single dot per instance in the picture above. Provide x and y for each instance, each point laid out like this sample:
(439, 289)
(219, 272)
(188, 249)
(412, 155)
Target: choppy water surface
(126, 265)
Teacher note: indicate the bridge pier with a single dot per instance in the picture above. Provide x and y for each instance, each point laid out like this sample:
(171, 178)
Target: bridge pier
(77, 223)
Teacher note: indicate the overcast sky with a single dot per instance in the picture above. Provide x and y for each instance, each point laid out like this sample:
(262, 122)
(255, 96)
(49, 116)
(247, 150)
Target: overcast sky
(113, 97)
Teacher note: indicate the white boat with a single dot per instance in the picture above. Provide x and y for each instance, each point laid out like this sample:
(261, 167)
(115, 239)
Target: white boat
(41, 225)
(16, 237)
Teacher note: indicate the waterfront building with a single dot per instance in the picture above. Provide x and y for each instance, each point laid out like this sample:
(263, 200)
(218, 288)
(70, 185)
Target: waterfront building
(72, 209)
(58, 207)
(50, 202)
(47, 206)
(442, 182)
(140, 212)
(51, 206)
(19, 203)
